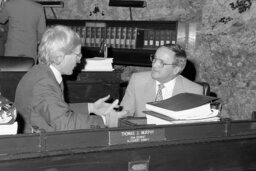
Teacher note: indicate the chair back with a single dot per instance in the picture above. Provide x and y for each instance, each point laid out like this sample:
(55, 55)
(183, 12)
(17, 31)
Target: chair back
(206, 87)
(12, 70)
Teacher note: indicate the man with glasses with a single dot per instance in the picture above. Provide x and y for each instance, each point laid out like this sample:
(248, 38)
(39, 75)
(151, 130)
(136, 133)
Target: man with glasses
(162, 82)
(39, 95)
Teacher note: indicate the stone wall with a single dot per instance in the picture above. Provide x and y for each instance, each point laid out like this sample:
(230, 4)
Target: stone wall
(226, 41)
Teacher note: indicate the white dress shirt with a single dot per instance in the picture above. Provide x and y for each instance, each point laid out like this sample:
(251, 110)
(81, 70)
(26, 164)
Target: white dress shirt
(168, 88)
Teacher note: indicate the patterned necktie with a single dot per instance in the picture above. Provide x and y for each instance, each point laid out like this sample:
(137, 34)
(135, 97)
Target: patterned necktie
(159, 95)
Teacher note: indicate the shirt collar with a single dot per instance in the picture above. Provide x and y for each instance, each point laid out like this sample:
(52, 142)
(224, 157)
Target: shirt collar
(167, 84)
(57, 74)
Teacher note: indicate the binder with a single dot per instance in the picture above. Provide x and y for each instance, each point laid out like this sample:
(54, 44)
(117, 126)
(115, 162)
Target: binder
(184, 106)
(123, 37)
(134, 38)
(113, 36)
(98, 36)
(146, 41)
(128, 38)
(84, 36)
(93, 36)
(108, 36)
(151, 36)
(118, 37)
(88, 36)
(168, 37)
(173, 37)
(162, 37)
(157, 38)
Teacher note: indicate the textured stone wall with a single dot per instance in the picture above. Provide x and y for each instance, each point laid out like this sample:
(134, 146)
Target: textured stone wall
(226, 41)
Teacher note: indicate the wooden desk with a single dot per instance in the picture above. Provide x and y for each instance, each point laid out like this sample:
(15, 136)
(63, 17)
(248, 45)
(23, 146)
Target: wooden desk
(214, 146)
(90, 86)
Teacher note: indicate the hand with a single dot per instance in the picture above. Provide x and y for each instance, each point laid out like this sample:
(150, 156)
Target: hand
(100, 107)
(112, 118)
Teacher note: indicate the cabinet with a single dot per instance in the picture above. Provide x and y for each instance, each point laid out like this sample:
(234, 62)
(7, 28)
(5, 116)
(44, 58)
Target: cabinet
(129, 42)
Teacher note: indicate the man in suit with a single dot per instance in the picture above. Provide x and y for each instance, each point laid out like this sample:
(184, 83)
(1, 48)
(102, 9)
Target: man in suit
(39, 94)
(167, 64)
(26, 21)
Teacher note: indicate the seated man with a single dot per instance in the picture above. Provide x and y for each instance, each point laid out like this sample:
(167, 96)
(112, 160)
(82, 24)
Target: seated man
(167, 64)
(39, 94)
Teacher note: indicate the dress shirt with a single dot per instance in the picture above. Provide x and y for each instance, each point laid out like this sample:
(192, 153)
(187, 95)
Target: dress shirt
(168, 88)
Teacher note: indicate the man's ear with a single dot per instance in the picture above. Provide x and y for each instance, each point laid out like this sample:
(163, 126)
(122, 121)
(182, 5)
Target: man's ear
(181, 65)
(58, 59)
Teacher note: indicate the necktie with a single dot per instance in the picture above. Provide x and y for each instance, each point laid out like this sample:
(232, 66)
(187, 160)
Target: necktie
(159, 95)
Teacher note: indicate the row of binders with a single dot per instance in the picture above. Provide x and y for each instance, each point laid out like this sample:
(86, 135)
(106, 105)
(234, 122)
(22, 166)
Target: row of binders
(183, 108)
(125, 37)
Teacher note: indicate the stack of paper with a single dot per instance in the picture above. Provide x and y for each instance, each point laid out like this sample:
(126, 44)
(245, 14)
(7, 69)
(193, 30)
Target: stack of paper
(98, 64)
(182, 108)
(9, 129)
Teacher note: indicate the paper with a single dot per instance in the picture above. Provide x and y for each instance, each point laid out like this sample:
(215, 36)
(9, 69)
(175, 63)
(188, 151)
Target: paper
(98, 64)
(9, 129)
(158, 119)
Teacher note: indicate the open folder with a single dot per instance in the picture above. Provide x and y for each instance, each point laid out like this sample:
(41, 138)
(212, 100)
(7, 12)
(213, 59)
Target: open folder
(184, 106)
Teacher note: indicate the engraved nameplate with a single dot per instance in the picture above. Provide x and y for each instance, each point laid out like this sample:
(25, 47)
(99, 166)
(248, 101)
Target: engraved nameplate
(136, 136)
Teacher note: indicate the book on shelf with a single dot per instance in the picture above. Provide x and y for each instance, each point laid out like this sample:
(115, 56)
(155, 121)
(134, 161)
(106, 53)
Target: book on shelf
(184, 106)
(98, 36)
(88, 36)
(108, 36)
(146, 38)
(128, 37)
(168, 37)
(113, 37)
(151, 38)
(84, 36)
(173, 37)
(118, 37)
(157, 38)
(123, 37)
(134, 38)
(162, 37)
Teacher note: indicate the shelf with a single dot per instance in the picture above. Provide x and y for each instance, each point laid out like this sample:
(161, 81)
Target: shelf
(129, 42)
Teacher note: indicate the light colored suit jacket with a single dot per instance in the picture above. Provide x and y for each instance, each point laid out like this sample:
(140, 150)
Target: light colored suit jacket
(26, 25)
(39, 100)
(142, 89)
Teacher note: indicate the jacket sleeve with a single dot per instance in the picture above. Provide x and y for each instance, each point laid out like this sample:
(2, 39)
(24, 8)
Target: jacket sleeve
(129, 100)
(51, 111)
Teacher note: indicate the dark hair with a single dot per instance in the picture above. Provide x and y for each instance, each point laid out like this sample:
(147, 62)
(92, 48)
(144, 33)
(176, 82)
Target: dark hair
(177, 49)
(180, 55)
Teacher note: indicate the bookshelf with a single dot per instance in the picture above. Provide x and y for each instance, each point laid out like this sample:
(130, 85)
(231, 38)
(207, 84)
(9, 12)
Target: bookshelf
(129, 42)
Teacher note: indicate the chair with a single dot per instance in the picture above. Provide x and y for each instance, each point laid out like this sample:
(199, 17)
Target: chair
(253, 115)
(206, 87)
(12, 70)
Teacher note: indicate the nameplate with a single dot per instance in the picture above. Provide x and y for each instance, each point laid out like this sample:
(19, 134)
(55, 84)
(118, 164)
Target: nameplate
(136, 136)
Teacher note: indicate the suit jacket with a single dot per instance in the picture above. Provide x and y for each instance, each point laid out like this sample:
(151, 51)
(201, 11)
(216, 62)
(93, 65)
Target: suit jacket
(39, 100)
(26, 25)
(142, 89)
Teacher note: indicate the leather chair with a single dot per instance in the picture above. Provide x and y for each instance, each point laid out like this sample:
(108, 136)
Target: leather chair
(206, 87)
(253, 115)
(12, 70)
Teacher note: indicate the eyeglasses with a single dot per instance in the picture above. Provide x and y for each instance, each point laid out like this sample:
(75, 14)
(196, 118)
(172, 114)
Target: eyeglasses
(153, 59)
(78, 56)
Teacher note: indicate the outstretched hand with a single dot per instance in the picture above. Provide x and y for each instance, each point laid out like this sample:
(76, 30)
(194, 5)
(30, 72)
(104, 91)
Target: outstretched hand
(100, 107)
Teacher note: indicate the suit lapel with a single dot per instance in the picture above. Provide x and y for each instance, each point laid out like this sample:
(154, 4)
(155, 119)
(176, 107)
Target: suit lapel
(178, 87)
(150, 86)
